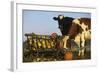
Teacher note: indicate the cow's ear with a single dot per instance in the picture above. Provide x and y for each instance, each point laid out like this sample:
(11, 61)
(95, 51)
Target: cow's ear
(55, 18)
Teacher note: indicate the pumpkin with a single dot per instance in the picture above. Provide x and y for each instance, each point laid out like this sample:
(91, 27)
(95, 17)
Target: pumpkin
(54, 35)
(68, 55)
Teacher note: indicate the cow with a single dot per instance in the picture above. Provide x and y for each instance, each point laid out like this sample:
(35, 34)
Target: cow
(85, 24)
(64, 24)
(74, 28)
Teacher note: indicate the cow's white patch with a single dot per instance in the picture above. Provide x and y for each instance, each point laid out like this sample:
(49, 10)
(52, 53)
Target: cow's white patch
(87, 34)
(61, 17)
(77, 40)
(84, 27)
(65, 42)
(76, 21)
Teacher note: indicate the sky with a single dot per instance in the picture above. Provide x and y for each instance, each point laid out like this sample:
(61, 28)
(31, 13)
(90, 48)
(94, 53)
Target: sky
(41, 22)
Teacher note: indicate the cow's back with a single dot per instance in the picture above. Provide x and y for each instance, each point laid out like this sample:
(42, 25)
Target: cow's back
(86, 21)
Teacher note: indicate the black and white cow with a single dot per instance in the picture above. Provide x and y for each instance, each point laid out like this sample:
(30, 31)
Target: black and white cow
(74, 28)
(85, 24)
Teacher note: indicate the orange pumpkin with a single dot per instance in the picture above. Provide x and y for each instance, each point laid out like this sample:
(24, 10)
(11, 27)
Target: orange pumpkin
(68, 55)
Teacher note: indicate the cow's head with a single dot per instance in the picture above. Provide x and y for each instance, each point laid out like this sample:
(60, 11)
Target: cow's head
(60, 20)
(64, 23)
(60, 17)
